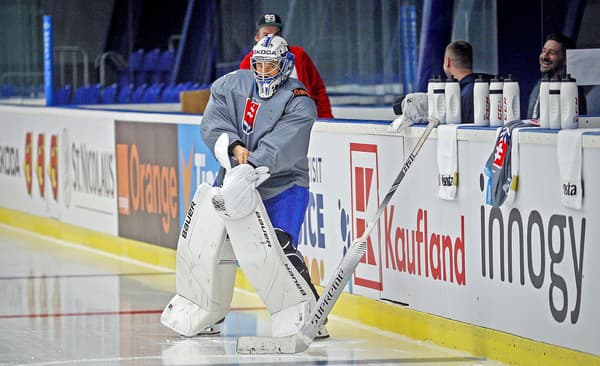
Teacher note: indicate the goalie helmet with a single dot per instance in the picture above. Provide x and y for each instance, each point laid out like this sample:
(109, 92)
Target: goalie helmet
(272, 64)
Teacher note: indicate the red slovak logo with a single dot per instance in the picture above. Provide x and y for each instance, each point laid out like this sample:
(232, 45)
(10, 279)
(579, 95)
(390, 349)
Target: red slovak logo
(28, 161)
(250, 112)
(502, 145)
(41, 157)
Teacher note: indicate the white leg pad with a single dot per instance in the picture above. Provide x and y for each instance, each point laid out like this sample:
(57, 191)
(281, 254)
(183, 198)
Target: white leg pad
(286, 294)
(288, 321)
(185, 317)
(205, 270)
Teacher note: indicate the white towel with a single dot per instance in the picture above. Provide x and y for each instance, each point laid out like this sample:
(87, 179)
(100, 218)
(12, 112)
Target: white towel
(569, 152)
(447, 158)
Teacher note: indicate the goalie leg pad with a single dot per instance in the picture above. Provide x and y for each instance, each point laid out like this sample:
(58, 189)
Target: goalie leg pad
(205, 271)
(268, 269)
(295, 257)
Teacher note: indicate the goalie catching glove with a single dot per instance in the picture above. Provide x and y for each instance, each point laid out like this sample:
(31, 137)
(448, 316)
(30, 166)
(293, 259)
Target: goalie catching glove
(236, 198)
(414, 110)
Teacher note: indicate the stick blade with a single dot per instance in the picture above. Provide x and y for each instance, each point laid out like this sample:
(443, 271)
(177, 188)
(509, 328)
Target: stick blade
(267, 345)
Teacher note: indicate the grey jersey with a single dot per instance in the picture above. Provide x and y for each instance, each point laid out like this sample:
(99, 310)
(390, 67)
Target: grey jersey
(276, 131)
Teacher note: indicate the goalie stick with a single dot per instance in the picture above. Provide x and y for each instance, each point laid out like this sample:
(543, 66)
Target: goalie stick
(299, 342)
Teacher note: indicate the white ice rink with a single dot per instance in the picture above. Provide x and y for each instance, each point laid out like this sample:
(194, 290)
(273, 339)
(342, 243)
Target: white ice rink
(63, 304)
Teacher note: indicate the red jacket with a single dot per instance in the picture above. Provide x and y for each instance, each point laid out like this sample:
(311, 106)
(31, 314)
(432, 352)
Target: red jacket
(309, 76)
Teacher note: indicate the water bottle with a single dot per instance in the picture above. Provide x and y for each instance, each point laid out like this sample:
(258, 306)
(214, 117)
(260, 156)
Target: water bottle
(543, 117)
(569, 103)
(496, 106)
(481, 102)
(439, 103)
(511, 100)
(554, 103)
(452, 100)
(430, 86)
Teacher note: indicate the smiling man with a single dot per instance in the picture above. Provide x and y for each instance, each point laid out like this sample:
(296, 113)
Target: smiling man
(553, 63)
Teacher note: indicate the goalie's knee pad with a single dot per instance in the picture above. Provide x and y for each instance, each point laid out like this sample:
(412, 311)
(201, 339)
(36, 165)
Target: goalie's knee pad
(205, 271)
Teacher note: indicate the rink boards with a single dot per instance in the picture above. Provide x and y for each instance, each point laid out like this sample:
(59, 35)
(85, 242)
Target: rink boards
(526, 268)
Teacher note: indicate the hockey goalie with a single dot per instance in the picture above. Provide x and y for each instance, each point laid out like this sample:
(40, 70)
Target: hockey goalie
(258, 124)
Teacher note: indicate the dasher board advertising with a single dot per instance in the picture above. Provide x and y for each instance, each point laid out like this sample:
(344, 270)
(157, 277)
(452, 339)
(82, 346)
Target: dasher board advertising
(147, 181)
(525, 268)
(61, 167)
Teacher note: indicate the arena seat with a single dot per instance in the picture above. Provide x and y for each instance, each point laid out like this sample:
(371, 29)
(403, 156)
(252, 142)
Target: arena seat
(138, 93)
(165, 65)
(170, 94)
(153, 93)
(109, 94)
(150, 66)
(124, 95)
(136, 60)
(62, 95)
(79, 95)
(93, 94)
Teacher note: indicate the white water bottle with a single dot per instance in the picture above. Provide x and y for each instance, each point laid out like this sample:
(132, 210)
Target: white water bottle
(511, 100)
(430, 85)
(481, 102)
(452, 99)
(554, 103)
(496, 106)
(543, 117)
(569, 103)
(439, 103)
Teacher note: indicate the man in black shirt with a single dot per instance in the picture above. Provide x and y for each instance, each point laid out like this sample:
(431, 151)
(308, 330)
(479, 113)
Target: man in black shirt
(553, 63)
(458, 62)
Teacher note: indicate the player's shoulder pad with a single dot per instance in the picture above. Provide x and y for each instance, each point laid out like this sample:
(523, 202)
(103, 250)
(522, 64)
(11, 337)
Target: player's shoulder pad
(298, 92)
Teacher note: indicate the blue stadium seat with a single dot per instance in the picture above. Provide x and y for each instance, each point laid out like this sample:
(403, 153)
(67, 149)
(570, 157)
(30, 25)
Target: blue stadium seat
(93, 94)
(166, 61)
(9, 90)
(150, 66)
(79, 95)
(123, 78)
(62, 95)
(170, 94)
(138, 93)
(124, 95)
(136, 60)
(153, 93)
(109, 94)
(87, 94)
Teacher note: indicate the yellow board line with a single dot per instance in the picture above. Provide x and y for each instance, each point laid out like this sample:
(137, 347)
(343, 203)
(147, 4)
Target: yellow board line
(478, 341)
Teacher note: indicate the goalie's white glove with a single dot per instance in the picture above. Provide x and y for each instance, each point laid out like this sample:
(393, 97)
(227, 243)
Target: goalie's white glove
(236, 198)
(414, 110)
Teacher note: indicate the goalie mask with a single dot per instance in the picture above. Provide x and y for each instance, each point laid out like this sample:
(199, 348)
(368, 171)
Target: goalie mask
(272, 64)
